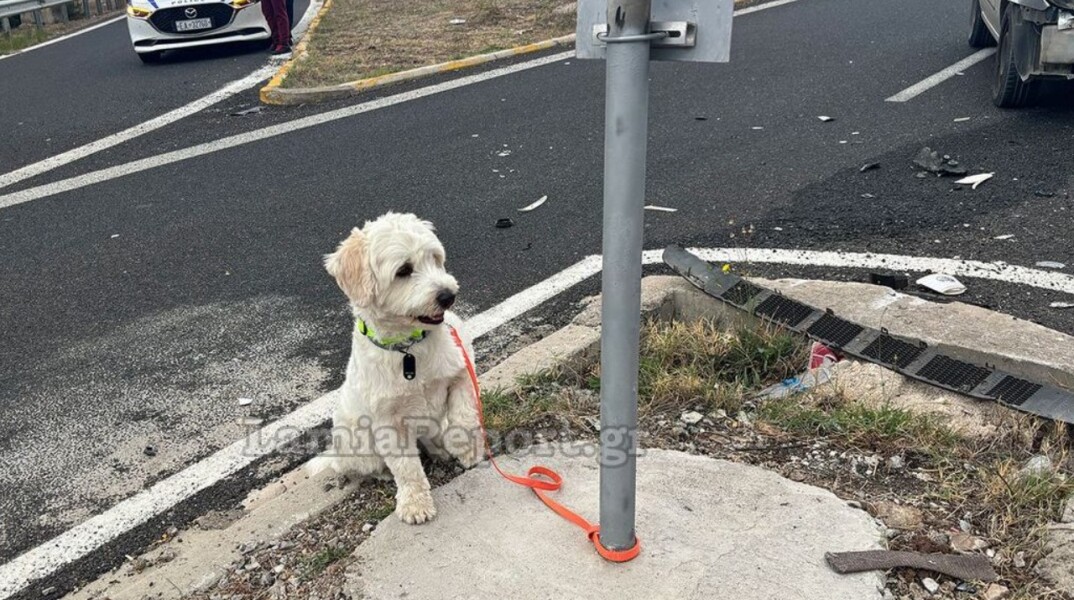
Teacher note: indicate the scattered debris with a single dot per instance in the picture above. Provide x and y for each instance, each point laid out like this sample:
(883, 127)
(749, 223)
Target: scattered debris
(995, 591)
(975, 180)
(691, 417)
(150, 451)
(974, 567)
(826, 118)
(114, 236)
(1019, 560)
(962, 119)
(930, 585)
(246, 401)
(534, 205)
(895, 282)
(660, 208)
(253, 110)
(868, 196)
(869, 167)
(898, 516)
(504, 223)
(1062, 305)
(367, 527)
(933, 162)
(757, 128)
(503, 153)
(1044, 194)
(1005, 236)
(1051, 264)
(1038, 466)
(701, 118)
(457, 21)
(965, 543)
(942, 284)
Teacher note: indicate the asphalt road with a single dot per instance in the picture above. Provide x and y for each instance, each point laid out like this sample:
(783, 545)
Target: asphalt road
(137, 310)
(70, 93)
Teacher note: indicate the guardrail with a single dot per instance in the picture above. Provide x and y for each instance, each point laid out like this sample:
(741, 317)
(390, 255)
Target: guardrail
(10, 8)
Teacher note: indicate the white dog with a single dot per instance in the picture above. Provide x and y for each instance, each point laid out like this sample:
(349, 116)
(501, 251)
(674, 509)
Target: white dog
(406, 379)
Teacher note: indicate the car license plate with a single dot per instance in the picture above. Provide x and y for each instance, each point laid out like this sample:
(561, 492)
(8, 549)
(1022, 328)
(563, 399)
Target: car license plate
(193, 24)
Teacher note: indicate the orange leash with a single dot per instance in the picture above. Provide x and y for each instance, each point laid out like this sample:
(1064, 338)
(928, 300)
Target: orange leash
(541, 479)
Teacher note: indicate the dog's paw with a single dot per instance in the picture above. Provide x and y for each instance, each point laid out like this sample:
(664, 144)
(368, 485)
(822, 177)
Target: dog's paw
(469, 456)
(416, 508)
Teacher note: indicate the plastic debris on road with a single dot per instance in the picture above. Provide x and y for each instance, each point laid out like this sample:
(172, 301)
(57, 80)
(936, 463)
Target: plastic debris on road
(504, 223)
(895, 282)
(821, 358)
(253, 110)
(942, 284)
(869, 167)
(534, 205)
(1005, 236)
(933, 162)
(962, 119)
(246, 401)
(975, 180)
(457, 21)
(1062, 305)
(653, 207)
(1050, 264)
(825, 118)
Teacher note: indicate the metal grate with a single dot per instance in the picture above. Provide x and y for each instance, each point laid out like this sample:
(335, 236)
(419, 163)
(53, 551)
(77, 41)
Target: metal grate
(953, 373)
(218, 12)
(888, 350)
(834, 331)
(783, 310)
(741, 293)
(1014, 391)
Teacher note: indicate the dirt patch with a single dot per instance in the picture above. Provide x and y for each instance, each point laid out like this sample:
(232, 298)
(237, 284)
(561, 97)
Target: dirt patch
(366, 38)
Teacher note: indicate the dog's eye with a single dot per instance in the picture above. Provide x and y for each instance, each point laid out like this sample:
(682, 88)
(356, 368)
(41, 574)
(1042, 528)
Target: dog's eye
(405, 271)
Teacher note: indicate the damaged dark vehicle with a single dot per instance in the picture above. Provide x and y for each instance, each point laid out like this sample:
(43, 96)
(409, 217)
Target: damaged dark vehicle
(1036, 41)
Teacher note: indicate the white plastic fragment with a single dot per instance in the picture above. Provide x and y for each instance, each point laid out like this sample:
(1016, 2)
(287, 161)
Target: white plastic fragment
(825, 118)
(962, 119)
(534, 205)
(942, 284)
(1051, 264)
(975, 180)
(660, 208)
(457, 21)
(1062, 305)
(246, 401)
(1005, 236)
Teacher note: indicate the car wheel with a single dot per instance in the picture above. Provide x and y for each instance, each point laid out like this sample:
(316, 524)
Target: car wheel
(1008, 89)
(980, 36)
(150, 58)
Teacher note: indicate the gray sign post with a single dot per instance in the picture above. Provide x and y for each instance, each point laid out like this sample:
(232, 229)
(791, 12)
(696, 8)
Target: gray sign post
(624, 32)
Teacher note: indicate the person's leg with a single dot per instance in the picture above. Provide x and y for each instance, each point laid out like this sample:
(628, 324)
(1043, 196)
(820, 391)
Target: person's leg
(267, 9)
(290, 16)
(281, 29)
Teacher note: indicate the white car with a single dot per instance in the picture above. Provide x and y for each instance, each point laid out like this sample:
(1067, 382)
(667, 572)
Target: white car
(159, 25)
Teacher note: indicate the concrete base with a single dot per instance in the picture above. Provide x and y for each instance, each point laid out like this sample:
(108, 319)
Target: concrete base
(709, 529)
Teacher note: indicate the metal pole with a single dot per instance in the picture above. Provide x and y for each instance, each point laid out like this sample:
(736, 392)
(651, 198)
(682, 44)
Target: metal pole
(626, 114)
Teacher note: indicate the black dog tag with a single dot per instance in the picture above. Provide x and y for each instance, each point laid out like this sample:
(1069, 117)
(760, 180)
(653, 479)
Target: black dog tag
(410, 366)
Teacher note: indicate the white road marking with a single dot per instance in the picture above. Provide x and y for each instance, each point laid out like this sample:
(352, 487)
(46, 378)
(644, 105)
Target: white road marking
(941, 76)
(156, 123)
(84, 538)
(245, 138)
(167, 158)
(759, 7)
(63, 37)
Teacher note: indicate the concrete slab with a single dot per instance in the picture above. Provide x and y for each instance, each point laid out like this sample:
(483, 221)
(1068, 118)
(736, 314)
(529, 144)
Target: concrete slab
(709, 528)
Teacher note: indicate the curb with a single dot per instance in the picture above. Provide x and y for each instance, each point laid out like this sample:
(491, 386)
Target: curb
(272, 93)
(299, 53)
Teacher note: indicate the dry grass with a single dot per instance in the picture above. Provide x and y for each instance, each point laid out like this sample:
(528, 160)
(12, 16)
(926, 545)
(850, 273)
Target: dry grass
(366, 38)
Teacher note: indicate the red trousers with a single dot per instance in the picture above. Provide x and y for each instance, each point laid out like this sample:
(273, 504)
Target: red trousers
(275, 12)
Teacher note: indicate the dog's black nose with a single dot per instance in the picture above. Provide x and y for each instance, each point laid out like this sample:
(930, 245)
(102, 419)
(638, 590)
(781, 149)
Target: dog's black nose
(445, 299)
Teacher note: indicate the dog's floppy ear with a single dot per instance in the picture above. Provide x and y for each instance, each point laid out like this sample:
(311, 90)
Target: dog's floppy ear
(349, 264)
